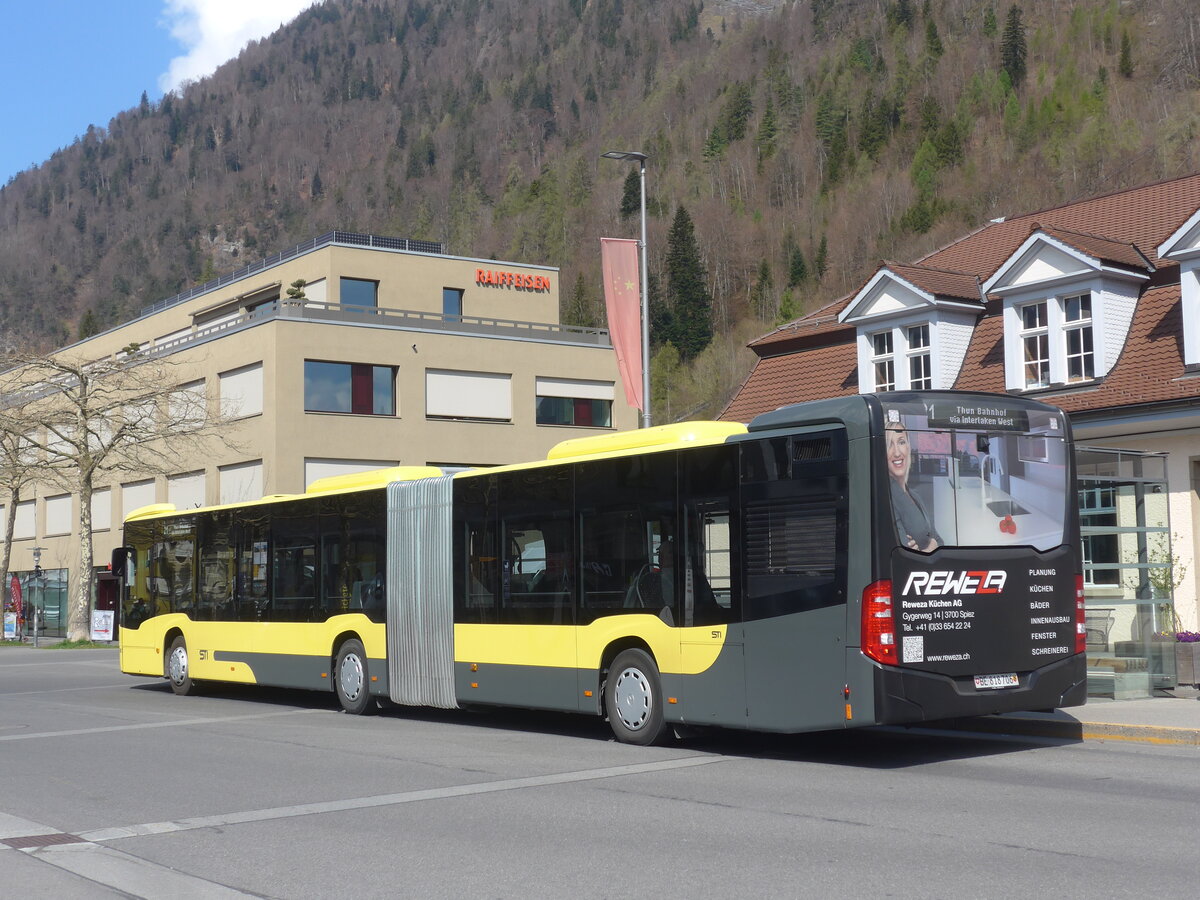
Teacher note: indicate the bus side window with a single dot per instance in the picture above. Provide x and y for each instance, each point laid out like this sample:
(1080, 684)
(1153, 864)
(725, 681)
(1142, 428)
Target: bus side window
(708, 596)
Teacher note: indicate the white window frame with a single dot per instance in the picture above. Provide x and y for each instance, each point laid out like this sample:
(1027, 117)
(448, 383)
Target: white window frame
(1038, 336)
(1083, 326)
(883, 360)
(920, 356)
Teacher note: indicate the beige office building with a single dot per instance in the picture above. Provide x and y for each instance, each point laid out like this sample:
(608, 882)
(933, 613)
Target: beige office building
(397, 354)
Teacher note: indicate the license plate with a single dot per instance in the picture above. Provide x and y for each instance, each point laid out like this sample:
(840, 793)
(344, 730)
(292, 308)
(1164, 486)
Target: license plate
(988, 682)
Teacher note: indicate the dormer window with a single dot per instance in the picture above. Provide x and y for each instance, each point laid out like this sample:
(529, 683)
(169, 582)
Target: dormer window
(914, 325)
(884, 361)
(1068, 302)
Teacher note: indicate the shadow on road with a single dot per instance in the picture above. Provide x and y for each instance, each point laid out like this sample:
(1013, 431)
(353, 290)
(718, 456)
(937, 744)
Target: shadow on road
(872, 748)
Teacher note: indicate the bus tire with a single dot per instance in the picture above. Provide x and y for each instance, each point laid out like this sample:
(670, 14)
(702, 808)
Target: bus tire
(351, 679)
(633, 699)
(178, 672)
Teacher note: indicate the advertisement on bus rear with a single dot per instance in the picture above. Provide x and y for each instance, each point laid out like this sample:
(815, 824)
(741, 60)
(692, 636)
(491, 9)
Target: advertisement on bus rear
(984, 614)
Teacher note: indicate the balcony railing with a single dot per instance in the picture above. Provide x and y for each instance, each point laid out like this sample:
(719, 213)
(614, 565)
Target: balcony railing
(400, 319)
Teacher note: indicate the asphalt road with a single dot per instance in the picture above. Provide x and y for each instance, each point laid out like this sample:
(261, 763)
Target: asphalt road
(111, 786)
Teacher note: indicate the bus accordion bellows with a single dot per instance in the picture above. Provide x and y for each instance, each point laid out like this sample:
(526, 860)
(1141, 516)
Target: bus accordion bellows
(876, 559)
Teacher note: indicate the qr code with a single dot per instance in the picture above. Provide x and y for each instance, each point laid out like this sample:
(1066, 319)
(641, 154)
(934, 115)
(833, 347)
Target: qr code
(914, 648)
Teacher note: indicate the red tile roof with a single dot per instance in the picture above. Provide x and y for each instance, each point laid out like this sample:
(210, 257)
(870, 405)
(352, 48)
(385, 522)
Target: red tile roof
(816, 357)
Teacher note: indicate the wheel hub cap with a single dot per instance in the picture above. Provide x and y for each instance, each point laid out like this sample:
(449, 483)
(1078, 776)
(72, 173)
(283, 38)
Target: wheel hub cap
(351, 677)
(633, 698)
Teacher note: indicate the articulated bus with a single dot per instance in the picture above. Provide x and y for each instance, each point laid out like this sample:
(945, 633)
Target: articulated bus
(877, 559)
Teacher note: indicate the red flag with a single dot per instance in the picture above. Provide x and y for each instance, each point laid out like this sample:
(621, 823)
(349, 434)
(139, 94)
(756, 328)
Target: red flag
(622, 298)
(16, 592)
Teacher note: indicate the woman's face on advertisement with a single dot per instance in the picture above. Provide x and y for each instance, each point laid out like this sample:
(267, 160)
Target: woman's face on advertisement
(899, 455)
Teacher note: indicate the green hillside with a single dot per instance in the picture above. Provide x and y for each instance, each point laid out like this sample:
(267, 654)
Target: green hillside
(801, 142)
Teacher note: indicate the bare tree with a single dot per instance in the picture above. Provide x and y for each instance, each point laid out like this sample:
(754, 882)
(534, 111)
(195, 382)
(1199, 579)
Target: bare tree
(16, 473)
(87, 419)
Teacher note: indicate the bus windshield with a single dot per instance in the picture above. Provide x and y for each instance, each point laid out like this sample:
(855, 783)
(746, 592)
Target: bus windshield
(967, 474)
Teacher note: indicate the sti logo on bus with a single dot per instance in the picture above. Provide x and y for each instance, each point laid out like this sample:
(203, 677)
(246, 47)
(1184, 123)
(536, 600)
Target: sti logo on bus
(937, 582)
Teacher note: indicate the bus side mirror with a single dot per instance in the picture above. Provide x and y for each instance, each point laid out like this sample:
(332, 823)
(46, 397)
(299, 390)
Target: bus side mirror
(122, 558)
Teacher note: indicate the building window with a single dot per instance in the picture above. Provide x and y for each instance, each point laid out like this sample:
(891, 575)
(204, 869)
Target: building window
(452, 304)
(1035, 344)
(241, 482)
(316, 468)
(58, 515)
(135, 495)
(356, 388)
(883, 361)
(242, 391)
(359, 292)
(186, 491)
(569, 401)
(920, 365)
(1077, 327)
(468, 395)
(102, 509)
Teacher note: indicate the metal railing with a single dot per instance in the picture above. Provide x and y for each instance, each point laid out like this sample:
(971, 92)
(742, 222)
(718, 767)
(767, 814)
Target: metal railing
(349, 238)
(401, 319)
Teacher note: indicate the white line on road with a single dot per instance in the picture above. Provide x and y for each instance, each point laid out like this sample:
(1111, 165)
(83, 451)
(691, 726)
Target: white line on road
(173, 723)
(458, 790)
(130, 874)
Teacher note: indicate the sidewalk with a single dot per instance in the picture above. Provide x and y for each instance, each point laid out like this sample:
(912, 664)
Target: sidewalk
(1160, 720)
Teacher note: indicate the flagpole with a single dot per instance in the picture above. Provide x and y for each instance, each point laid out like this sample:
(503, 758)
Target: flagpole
(645, 309)
(641, 158)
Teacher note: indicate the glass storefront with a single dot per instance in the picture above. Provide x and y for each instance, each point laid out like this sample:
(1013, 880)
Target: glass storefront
(47, 595)
(1129, 571)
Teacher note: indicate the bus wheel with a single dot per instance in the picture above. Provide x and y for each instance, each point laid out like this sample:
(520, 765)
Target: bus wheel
(351, 679)
(178, 672)
(633, 699)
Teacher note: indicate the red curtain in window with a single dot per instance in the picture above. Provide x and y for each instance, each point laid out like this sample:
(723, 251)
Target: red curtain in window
(361, 389)
(583, 412)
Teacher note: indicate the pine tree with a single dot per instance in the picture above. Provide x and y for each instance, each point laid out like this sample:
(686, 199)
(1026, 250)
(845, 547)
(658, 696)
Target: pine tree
(317, 187)
(797, 268)
(88, 325)
(762, 293)
(933, 41)
(580, 309)
(1125, 63)
(692, 303)
(821, 262)
(631, 194)
(768, 131)
(1012, 47)
(989, 20)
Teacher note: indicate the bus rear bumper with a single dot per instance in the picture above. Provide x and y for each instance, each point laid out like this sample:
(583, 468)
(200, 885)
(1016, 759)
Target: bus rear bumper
(906, 695)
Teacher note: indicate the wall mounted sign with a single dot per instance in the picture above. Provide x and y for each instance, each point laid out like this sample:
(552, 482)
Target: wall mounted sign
(513, 280)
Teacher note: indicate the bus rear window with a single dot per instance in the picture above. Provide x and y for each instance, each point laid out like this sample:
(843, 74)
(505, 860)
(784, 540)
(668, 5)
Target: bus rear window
(1003, 485)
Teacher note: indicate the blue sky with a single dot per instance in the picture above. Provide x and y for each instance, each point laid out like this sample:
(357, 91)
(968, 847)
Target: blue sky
(68, 64)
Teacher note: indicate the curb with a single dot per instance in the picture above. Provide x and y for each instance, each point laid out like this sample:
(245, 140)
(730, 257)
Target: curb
(1074, 730)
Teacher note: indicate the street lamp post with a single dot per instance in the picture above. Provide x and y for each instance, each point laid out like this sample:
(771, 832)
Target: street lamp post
(37, 577)
(641, 158)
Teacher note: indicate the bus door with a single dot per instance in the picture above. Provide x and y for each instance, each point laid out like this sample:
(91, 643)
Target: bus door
(794, 513)
(713, 690)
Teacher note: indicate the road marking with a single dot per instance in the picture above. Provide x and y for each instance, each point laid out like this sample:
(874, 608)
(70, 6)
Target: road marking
(442, 793)
(173, 723)
(130, 874)
(71, 690)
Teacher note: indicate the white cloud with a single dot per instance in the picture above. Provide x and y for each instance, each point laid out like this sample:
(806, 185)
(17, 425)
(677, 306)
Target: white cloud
(214, 31)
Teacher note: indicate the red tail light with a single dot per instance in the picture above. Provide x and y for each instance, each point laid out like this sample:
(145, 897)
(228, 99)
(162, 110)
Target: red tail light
(1080, 617)
(878, 623)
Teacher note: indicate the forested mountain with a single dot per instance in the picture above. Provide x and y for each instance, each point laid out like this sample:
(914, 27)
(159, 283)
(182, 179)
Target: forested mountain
(792, 145)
